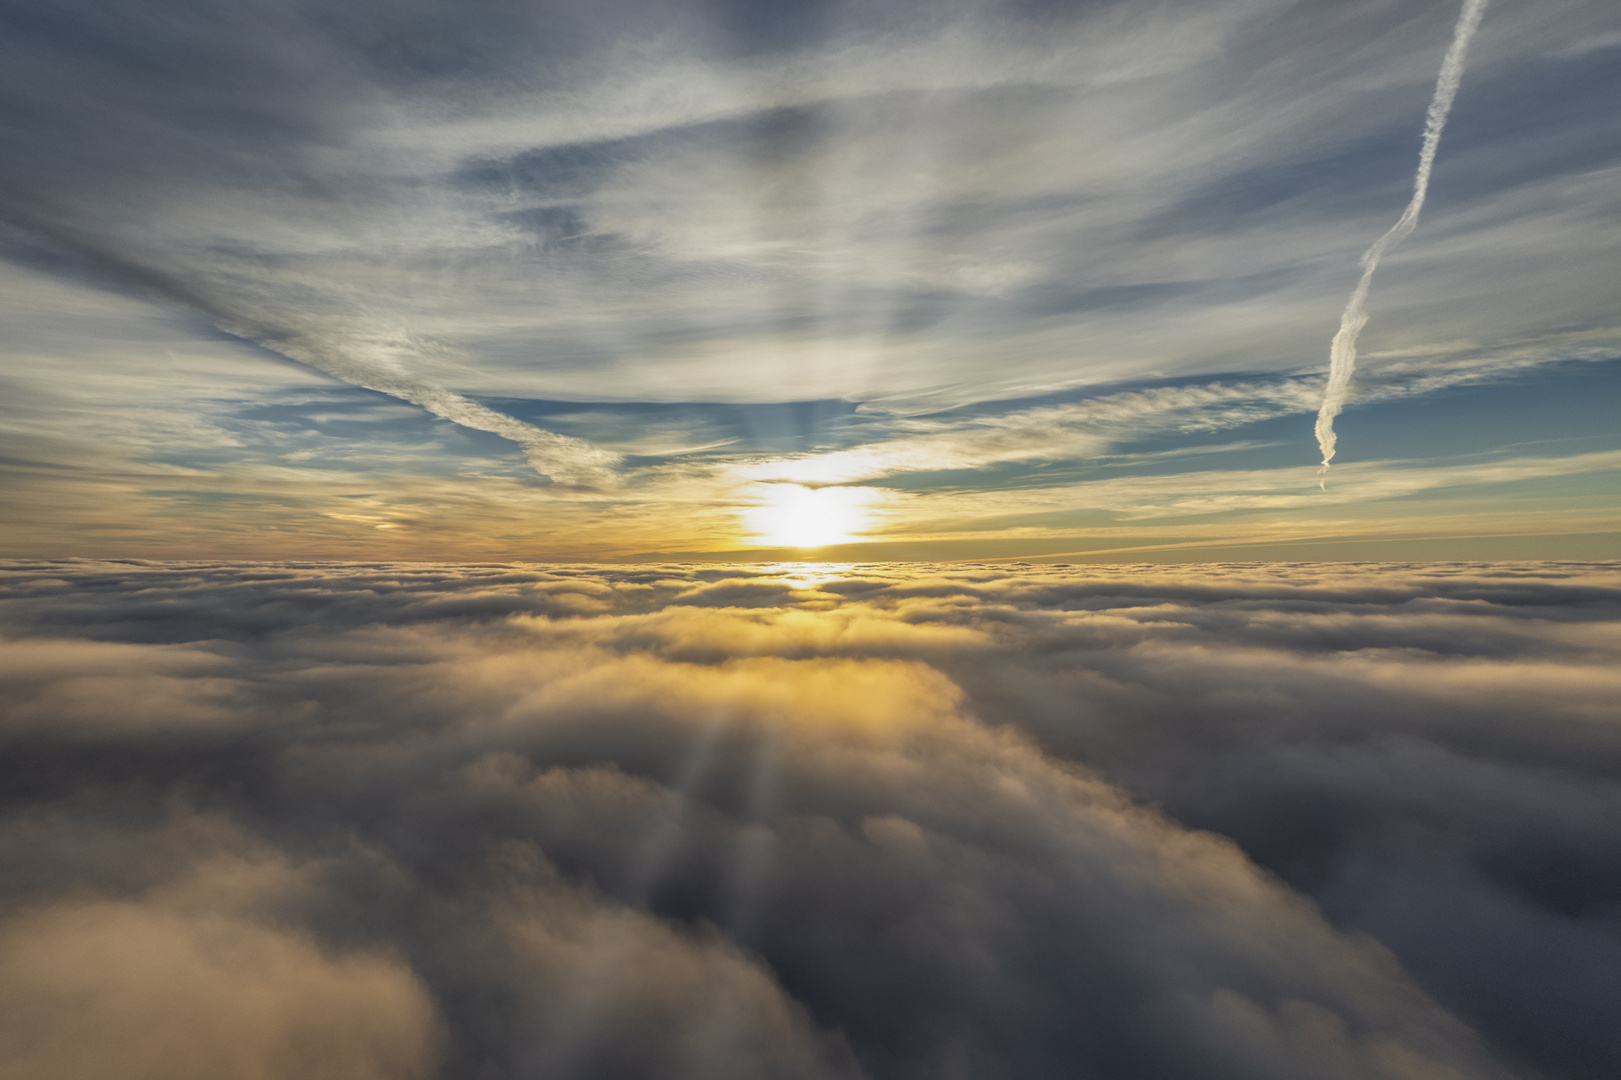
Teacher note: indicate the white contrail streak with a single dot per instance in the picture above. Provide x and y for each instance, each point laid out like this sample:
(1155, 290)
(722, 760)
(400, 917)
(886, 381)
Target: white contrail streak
(368, 361)
(566, 460)
(1342, 354)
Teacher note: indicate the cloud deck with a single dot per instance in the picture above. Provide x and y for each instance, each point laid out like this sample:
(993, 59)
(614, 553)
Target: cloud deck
(396, 820)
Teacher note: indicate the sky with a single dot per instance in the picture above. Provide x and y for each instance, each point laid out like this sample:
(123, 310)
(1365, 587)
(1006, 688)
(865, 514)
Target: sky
(624, 281)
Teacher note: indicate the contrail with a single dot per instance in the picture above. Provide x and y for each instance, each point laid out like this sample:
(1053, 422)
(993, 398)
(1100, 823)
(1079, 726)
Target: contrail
(366, 362)
(565, 460)
(1342, 354)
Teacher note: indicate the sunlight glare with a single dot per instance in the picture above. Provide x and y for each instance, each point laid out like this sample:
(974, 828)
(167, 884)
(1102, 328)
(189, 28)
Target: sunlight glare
(790, 515)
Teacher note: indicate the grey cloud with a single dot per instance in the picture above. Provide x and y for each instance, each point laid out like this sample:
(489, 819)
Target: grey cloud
(808, 821)
(169, 955)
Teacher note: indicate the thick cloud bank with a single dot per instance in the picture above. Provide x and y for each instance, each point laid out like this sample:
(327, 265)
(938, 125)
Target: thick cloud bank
(928, 822)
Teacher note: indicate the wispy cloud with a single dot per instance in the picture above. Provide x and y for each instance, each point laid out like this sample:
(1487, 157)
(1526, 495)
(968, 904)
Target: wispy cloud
(959, 223)
(1221, 491)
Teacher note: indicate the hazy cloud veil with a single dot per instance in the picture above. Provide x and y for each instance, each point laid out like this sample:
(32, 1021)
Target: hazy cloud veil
(338, 278)
(968, 821)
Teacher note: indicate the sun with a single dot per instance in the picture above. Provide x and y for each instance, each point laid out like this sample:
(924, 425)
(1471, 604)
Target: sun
(791, 515)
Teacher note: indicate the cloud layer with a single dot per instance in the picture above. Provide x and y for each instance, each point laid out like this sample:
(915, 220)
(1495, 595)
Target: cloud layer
(978, 821)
